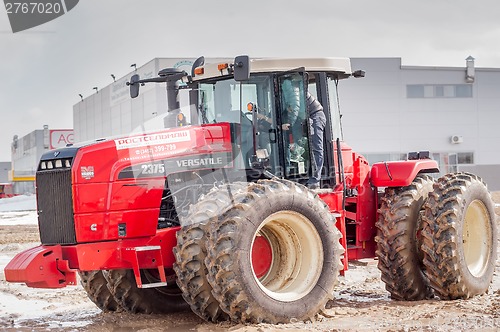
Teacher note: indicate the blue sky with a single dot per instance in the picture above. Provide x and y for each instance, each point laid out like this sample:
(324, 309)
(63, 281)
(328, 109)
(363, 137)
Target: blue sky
(42, 70)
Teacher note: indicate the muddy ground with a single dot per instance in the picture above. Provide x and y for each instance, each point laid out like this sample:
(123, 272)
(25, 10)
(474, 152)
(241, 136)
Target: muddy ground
(361, 303)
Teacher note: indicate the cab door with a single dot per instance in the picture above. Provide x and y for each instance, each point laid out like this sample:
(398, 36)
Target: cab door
(293, 123)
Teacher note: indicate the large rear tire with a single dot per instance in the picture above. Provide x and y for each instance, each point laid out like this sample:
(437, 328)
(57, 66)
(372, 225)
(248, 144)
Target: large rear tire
(459, 237)
(294, 275)
(398, 240)
(97, 290)
(190, 252)
(143, 300)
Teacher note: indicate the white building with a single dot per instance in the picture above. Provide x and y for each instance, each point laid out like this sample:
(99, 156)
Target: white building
(4, 171)
(26, 153)
(452, 112)
(111, 111)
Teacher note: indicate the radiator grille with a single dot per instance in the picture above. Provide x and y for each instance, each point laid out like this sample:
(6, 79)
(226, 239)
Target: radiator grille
(55, 207)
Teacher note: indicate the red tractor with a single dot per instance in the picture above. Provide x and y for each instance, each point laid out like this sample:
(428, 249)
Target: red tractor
(212, 211)
(6, 190)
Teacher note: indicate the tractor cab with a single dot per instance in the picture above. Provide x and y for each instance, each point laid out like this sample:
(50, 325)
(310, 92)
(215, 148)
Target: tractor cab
(270, 132)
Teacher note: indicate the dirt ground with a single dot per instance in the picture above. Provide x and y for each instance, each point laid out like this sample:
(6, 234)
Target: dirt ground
(19, 234)
(361, 303)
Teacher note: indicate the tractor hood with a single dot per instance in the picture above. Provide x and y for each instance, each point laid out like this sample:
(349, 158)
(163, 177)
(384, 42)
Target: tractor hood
(189, 147)
(113, 189)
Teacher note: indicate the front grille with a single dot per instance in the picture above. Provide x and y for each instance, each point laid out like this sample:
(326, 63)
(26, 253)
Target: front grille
(55, 207)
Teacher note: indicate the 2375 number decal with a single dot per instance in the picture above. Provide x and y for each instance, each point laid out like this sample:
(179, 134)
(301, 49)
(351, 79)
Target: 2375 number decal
(153, 169)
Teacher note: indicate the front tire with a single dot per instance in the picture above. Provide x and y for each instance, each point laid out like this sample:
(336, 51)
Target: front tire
(190, 252)
(165, 299)
(97, 290)
(460, 237)
(295, 271)
(398, 240)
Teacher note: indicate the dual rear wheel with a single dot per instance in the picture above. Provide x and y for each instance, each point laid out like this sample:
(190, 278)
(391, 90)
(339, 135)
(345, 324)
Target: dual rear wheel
(437, 238)
(459, 237)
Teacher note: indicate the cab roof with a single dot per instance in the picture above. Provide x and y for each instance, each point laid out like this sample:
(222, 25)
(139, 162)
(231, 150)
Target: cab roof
(341, 66)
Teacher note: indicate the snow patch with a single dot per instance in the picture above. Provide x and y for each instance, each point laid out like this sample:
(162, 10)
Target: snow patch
(18, 218)
(18, 203)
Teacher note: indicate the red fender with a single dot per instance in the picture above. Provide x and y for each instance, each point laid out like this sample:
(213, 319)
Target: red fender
(400, 173)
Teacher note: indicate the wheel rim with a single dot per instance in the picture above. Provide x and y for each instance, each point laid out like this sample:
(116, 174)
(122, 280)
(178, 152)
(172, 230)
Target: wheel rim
(477, 238)
(262, 256)
(296, 259)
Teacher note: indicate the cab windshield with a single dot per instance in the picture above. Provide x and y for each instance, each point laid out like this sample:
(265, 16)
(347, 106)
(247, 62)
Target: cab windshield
(243, 103)
(227, 101)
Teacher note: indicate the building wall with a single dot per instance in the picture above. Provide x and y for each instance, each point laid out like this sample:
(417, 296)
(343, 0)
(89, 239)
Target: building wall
(397, 109)
(4, 171)
(111, 111)
(27, 151)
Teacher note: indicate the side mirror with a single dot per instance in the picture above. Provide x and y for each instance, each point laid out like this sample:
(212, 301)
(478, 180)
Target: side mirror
(241, 68)
(134, 86)
(358, 73)
(198, 62)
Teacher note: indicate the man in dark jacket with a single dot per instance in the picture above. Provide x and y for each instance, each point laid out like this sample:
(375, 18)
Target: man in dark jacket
(317, 122)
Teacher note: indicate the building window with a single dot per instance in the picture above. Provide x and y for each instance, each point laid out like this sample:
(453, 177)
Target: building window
(439, 91)
(415, 91)
(449, 162)
(463, 91)
(465, 158)
(380, 157)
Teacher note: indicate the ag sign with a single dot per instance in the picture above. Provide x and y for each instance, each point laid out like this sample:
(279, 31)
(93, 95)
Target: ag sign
(59, 138)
